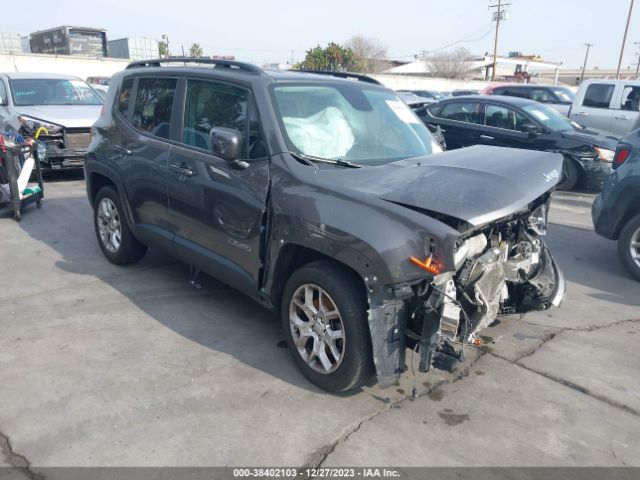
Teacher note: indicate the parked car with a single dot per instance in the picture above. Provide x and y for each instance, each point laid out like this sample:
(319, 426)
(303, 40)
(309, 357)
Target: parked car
(418, 104)
(521, 123)
(431, 95)
(558, 98)
(609, 105)
(64, 105)
(462, 92)
(616, 211)
(318, 196)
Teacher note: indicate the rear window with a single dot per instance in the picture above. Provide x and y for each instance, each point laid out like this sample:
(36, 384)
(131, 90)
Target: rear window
(462, 111)
(598, 95)
(123, 96)
(154, 102)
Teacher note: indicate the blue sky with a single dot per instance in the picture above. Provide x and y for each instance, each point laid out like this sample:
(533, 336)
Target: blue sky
(262, 31)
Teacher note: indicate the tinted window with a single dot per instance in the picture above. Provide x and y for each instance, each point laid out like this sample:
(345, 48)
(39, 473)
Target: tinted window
(124, 94)
(53, 91)
(516, 92)
(462, 112)
(541, 95)
(154, 102)
(598, 95)
(503, 117)
(630, 98)
(209, 105)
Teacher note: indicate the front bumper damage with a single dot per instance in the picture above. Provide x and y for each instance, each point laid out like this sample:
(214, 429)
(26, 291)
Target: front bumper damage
(66, 149)
(436, 317)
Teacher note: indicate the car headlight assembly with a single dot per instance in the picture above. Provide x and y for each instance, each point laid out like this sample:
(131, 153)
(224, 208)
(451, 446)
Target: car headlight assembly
(32, 125)
(537, 221)
(604, 154)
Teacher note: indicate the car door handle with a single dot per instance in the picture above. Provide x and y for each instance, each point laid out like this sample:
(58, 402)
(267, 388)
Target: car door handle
(486, 137)
(122, 149)
(622, 117)
(182, 169)
(582, 114)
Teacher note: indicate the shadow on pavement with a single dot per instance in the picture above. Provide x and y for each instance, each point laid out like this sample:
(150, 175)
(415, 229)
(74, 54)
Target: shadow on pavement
(590, 260)
(216, 316)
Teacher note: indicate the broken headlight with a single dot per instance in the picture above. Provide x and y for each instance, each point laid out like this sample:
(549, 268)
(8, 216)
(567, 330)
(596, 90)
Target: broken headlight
(30, 126)
(537, 221)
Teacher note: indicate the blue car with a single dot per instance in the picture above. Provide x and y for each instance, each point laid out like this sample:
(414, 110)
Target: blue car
(616, 211)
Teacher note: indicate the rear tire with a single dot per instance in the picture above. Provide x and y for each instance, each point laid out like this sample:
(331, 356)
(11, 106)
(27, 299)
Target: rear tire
(570, 175)
(629, 246)
(112, 230)
(328, 326)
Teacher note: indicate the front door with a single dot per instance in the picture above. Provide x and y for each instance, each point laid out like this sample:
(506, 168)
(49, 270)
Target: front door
(504, 128)
(217, 209)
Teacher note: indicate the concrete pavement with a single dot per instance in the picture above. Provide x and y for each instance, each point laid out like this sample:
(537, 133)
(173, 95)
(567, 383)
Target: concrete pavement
(103, 365)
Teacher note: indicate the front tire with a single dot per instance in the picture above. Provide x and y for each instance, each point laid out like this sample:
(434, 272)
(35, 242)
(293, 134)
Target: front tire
(112, 230)
(629, 246)
(324, 317)
(570, 175)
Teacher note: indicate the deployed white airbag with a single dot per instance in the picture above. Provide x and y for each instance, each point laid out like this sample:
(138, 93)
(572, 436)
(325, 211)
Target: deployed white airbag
(326, 134)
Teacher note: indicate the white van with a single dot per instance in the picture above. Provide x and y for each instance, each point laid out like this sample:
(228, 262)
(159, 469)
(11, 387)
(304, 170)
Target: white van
(609, 105)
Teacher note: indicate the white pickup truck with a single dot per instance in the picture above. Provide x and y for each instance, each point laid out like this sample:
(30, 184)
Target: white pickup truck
(609, 105)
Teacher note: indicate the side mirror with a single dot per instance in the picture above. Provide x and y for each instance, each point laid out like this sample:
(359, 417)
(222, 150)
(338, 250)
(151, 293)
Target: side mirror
(226, 143)
(530, 128)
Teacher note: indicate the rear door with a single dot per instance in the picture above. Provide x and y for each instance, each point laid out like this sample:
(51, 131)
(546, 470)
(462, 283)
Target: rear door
(461, 122)
(627, 109)
(142, 151)
(596, 106)
(217, 209)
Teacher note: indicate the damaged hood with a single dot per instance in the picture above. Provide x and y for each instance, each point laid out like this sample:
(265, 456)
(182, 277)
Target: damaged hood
(68, 116)
(477, 185)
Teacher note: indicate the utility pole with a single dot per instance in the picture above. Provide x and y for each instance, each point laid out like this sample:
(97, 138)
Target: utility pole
(499, 12)
(584, 65)
(165, 37)
(638, 66)
(292, 57)
(624, 39)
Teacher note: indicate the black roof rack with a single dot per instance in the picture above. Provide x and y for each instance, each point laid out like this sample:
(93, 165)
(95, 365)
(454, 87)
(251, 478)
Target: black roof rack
(355, 76)
(248, 67)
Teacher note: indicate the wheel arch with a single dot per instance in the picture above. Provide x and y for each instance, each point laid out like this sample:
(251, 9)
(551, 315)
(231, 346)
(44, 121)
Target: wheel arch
(293, 256)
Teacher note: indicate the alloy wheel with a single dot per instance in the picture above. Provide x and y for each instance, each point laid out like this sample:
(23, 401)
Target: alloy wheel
(109, 225)
(634, 247)
(317, 328)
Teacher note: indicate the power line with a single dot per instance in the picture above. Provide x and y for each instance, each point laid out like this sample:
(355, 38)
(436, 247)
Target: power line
(499, 13)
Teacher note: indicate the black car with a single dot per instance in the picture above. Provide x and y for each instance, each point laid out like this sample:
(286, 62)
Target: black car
(320, 197)
(431, 95)
(616, 211)
(521, 123)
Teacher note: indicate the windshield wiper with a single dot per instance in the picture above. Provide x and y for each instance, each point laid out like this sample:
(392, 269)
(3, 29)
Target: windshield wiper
(338, 162)
(347, 163)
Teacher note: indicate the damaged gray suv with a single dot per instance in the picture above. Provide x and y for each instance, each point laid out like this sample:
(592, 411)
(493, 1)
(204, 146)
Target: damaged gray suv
(322, 196)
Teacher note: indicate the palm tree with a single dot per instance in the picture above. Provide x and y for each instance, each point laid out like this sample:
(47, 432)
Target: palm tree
(195, 50)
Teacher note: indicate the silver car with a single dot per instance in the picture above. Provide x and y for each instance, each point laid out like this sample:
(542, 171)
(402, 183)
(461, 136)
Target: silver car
(60, 109)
